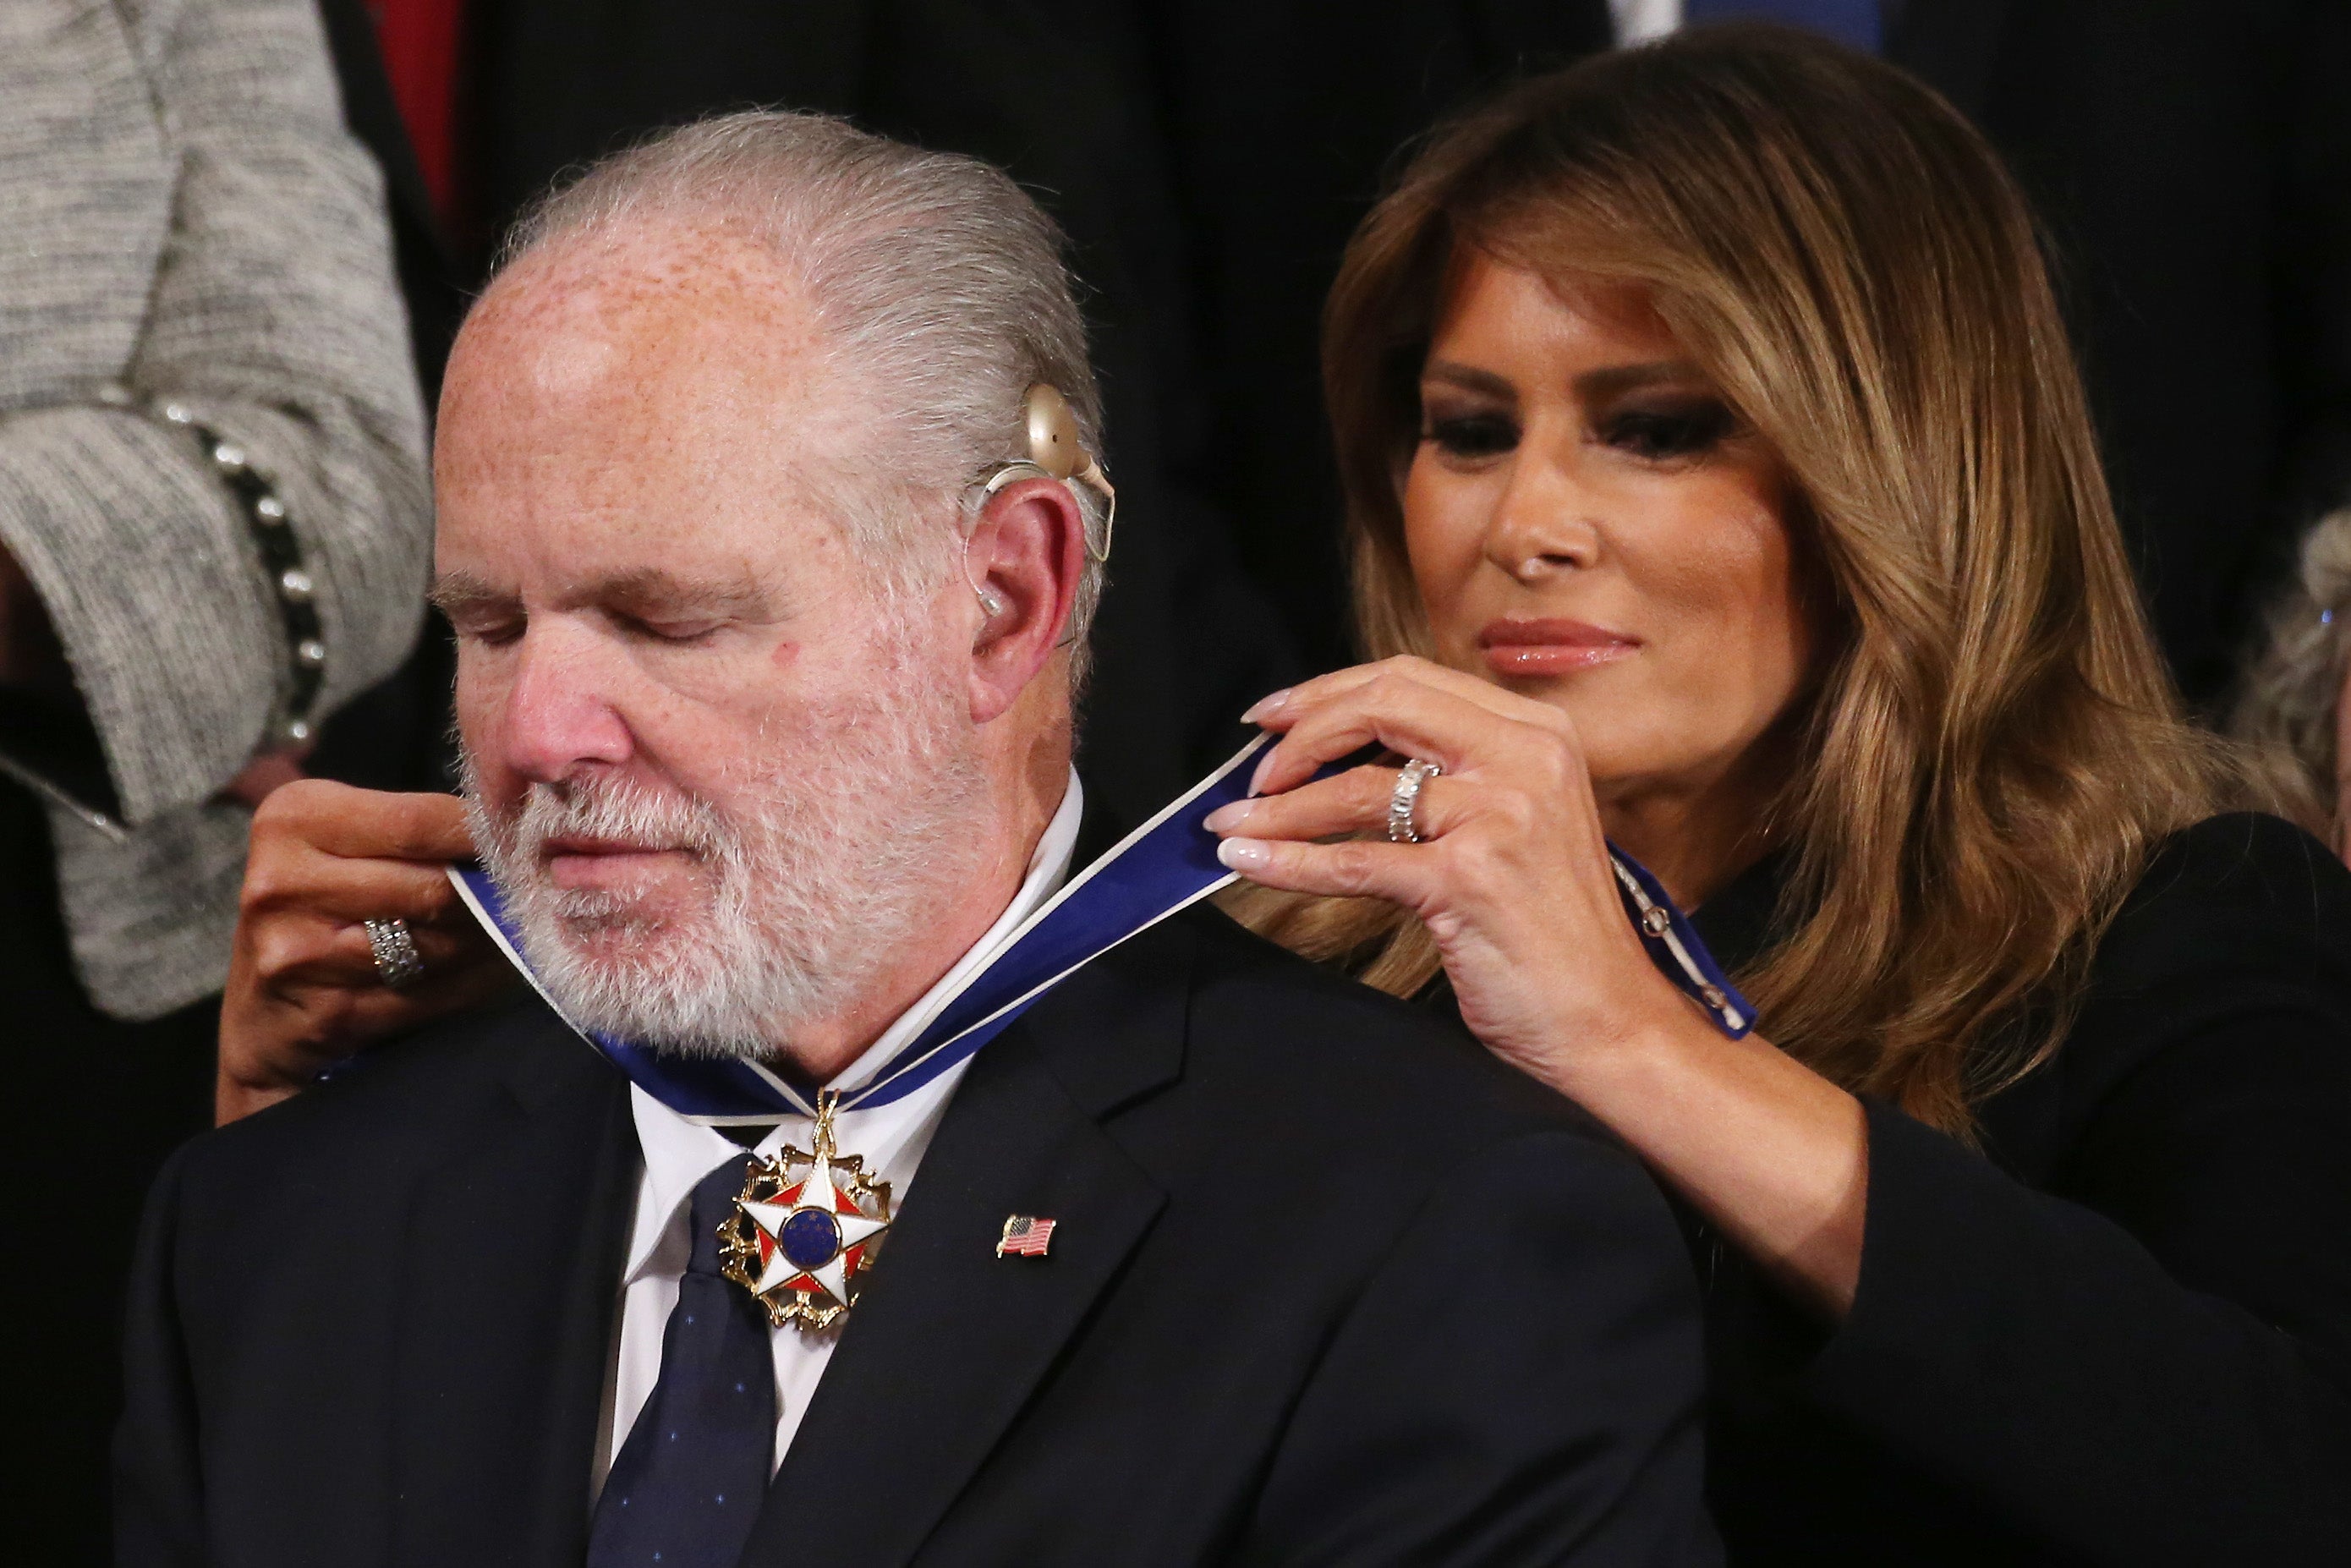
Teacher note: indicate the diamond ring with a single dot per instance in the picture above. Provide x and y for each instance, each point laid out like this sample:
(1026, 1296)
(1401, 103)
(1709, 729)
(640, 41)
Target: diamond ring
(1406, 796)
(396, 960)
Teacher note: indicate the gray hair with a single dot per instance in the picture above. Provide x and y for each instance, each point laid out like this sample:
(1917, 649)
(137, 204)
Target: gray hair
(937, 282)
(2286, 707)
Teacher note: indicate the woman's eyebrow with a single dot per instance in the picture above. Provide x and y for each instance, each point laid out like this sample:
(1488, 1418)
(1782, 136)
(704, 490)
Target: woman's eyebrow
(1468, 378)
(1614, 380)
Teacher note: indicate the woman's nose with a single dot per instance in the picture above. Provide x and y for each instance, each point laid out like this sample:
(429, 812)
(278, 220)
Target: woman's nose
(1542, 522)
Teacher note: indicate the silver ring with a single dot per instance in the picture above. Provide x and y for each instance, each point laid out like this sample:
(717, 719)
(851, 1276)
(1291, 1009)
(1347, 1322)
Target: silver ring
(396, 960)
(1405, 796)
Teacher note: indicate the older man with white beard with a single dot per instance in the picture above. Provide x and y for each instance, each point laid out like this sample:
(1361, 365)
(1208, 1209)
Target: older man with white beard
(726, 1247)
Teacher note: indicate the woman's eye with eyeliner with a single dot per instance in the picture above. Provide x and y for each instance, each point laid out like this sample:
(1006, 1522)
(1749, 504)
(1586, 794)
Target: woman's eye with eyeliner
(1662, 433)
(1472, 435)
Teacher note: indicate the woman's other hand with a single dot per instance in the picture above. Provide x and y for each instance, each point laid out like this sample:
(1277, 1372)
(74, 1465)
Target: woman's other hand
(303, 990)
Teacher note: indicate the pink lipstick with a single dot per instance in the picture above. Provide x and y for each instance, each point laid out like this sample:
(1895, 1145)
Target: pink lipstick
(1550, 647)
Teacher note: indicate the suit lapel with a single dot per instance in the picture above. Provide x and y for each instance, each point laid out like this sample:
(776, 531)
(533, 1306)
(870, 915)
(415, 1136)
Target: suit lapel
(515, 1253)
(950, 1340)
(1954, 44)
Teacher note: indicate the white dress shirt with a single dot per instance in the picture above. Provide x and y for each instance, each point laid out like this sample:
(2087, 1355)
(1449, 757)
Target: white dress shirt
(890, 1139)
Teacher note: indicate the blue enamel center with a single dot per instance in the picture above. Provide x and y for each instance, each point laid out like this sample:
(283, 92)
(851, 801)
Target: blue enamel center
(810, 1239)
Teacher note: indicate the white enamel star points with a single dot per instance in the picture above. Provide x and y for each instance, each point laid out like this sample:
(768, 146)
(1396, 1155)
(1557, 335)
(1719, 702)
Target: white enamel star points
(817, 1193)
(805, 1228)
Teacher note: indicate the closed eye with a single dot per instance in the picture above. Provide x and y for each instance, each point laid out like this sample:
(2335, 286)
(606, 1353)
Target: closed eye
(477, 610)
(679, 633)
(490, 629)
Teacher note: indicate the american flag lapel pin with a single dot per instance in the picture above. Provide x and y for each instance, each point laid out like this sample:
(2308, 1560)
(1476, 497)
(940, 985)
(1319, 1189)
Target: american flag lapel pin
(1025, 1235)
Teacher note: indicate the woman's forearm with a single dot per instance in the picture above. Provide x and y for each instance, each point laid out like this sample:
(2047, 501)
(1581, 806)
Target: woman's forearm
(1774, 1156)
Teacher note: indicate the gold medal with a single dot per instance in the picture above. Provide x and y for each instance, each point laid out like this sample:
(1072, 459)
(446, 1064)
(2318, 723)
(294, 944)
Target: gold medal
(805, 1229)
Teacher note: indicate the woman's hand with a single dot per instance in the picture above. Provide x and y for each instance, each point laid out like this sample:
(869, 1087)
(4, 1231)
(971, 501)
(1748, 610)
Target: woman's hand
(1512, 880)
(303, 990)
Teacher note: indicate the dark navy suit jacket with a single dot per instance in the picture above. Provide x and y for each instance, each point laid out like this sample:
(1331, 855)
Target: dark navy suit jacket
(1330, 1285)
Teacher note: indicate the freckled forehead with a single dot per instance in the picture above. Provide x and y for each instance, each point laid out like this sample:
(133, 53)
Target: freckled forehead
(659, 396)
(660, 311)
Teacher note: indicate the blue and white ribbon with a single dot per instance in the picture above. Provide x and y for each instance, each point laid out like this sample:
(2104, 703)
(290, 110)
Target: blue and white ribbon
(1676, 948)
(1162, 868)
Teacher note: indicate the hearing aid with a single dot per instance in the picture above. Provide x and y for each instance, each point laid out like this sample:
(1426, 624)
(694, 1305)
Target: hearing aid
(1056, 451)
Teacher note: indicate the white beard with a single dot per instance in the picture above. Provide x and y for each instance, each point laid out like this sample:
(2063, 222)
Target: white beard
(826, 870)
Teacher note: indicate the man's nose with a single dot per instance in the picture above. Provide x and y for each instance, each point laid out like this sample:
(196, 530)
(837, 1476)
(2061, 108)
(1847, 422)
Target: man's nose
(560, 711)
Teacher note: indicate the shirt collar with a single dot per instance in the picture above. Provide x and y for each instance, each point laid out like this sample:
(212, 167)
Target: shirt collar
(678, 1152)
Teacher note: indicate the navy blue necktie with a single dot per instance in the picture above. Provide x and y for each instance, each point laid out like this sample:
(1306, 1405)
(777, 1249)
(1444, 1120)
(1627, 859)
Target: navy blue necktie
(1854, 22)
(687, 1483)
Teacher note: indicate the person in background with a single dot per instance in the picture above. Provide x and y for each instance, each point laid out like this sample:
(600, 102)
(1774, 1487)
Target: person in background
(396, 735)
(1723, 490)
(2290, 709)
(214, 525)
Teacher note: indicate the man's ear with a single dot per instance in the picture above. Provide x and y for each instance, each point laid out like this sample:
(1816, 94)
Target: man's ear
(1024, 560)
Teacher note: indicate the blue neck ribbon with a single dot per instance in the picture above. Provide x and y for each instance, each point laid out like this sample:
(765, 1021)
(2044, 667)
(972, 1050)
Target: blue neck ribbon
(1162, 867)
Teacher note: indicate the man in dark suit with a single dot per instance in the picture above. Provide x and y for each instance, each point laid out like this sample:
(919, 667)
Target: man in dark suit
(769, 606)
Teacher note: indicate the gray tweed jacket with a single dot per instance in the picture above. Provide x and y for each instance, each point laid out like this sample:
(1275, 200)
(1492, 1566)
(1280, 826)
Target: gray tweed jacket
(186, 218)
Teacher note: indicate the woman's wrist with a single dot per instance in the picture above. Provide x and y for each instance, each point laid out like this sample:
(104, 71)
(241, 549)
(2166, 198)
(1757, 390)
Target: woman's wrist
(1627, 1046)
(1772, 1155)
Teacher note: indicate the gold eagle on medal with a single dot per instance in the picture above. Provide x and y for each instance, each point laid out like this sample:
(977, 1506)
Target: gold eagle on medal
(805, 1229)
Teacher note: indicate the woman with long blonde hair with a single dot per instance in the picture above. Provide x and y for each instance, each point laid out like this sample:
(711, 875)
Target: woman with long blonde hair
(1721, 487)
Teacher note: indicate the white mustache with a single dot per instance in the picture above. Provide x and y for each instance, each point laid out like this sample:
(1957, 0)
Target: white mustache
(621, 811)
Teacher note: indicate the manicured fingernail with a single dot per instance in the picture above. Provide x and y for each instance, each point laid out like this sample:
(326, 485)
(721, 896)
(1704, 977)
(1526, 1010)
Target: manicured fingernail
(1267, 706)
(1244, 854)
(1264, 766)
(1227, 818)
